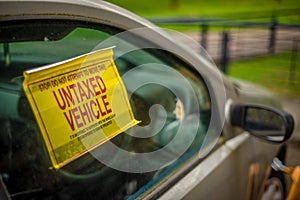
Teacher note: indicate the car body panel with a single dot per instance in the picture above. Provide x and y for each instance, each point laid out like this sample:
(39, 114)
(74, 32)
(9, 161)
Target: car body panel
(248, 92)
(215, 177)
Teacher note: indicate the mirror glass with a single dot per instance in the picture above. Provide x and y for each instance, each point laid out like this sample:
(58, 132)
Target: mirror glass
(265, 124)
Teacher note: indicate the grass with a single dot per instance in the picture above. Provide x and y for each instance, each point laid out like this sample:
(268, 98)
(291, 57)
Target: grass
(236, 9)
(273, 72)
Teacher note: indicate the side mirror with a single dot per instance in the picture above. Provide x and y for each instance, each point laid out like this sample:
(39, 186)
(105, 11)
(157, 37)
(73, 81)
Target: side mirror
(264, 122)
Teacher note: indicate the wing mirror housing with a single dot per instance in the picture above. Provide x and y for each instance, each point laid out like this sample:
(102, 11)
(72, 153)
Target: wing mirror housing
(267, 123)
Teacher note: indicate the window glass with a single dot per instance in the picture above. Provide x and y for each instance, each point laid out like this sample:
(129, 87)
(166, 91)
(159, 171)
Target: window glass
(166, 95)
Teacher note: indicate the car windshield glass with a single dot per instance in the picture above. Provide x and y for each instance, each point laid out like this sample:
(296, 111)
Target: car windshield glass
(165, 105)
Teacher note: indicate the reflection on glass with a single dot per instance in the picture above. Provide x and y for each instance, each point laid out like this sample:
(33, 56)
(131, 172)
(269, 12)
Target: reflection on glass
(261, 119)
(264, 123)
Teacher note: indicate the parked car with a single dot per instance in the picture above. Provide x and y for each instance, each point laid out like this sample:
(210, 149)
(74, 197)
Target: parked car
(195, 133)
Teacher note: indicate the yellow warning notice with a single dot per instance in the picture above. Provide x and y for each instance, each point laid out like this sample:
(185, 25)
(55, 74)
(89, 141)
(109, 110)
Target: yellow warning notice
(79, 104)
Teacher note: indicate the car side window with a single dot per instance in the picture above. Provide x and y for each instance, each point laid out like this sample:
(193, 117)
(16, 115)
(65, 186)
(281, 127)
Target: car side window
(167, 96)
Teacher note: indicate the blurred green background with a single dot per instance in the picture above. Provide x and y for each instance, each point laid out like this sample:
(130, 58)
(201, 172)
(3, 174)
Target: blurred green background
(262, 9)
(280, 71)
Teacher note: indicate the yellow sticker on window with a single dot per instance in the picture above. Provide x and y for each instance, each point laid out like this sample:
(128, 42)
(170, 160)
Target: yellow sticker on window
(79, 104)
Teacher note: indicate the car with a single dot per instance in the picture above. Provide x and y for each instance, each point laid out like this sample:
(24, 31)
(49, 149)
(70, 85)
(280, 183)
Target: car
(98, 103)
